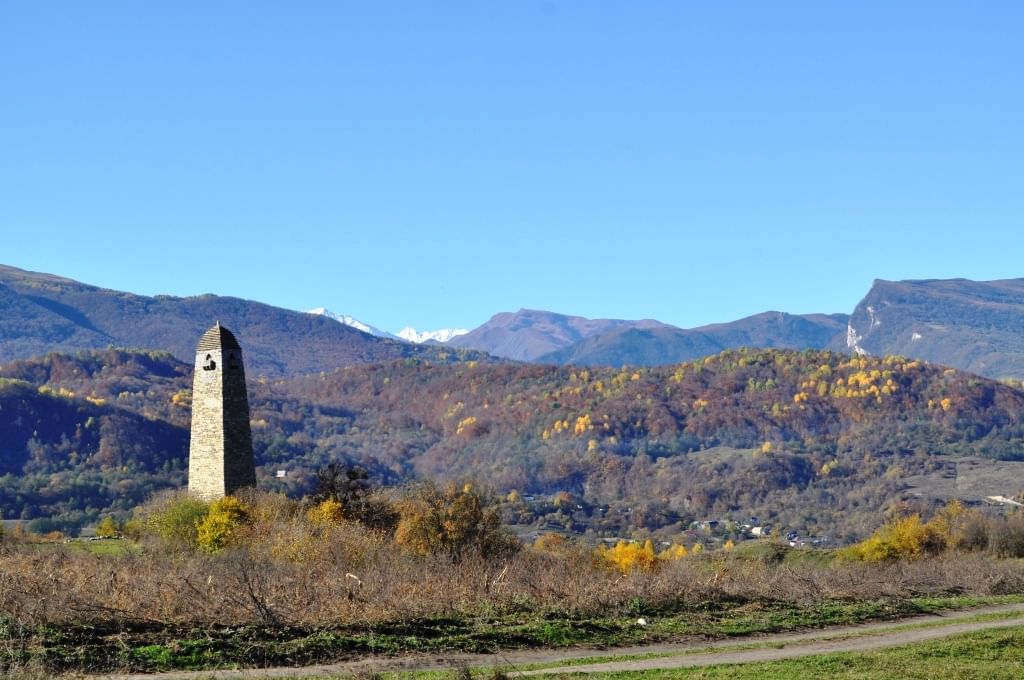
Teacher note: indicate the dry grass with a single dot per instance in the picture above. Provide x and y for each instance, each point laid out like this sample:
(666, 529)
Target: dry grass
(285, 569)
(356, 577)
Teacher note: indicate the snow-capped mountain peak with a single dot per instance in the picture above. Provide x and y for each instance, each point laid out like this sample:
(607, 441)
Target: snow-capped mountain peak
(408, 333)
(351, 321)
(444, 335)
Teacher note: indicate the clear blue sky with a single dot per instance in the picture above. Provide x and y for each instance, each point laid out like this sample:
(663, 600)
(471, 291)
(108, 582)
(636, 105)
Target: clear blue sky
(432, 163)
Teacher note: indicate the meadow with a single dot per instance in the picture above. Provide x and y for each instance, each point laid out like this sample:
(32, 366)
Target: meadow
(262, 580)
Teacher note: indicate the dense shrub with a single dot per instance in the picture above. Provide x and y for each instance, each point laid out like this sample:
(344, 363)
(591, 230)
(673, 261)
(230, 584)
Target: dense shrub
(263, 559)
(355, 576)
(627, 556)
(1006, 536)
(451, 521)
(905, 538)
(173, 518)
(219, 527)
(953, 528)
(326, 512)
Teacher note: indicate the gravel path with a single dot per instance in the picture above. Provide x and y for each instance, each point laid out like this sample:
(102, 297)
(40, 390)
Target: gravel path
(779, 646)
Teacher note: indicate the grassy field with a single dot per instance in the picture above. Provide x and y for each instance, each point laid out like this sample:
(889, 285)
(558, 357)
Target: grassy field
(995, 653)
(295, 587)
(111, 547)
(991, 654)
(714, 621)
(758, 643)
(156, 649)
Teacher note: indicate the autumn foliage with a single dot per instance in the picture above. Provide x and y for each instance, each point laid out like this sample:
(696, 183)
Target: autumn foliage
(220, 526)
(326, 512)
(953, 528)
(833, 436)
(451, 521)
(627, 556)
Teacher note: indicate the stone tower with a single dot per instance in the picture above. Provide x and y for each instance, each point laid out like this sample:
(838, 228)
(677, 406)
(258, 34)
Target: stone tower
(220, 454)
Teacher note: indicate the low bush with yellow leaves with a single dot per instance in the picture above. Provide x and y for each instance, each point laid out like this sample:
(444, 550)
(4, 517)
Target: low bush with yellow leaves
(220, 527)
(628, 556)
(909, 538)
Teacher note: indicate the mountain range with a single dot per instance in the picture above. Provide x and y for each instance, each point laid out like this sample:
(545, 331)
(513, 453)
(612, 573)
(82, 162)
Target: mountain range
(45, 313)
(528, 335)
(352, 322)
(660, 345)
(409, 334)
(976, 326)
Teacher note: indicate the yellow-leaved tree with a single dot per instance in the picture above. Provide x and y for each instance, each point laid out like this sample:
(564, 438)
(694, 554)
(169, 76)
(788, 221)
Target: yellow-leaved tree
(909, 538)
(107, 528)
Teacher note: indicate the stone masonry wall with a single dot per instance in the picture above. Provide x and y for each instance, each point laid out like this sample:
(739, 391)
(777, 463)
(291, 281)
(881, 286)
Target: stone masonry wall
(239, 468)
(220, 451)
(206, 448)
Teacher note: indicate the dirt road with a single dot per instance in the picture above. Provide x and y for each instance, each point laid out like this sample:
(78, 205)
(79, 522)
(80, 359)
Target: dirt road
(679, 655)
(774, 653)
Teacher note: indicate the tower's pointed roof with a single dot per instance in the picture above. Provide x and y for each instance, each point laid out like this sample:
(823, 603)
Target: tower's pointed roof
(217, 338)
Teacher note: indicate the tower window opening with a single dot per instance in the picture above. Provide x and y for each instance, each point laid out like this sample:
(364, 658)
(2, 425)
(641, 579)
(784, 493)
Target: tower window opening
(210, 364)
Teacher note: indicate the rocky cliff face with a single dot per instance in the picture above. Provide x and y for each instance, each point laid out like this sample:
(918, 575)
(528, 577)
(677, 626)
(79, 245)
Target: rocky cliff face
(977, 326)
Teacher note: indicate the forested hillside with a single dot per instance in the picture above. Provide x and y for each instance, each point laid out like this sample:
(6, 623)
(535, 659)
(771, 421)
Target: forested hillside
(812, 438)
(98, 430)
